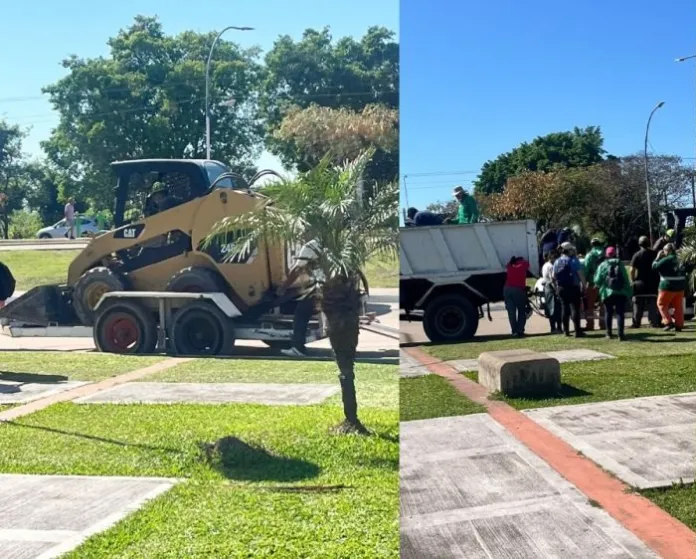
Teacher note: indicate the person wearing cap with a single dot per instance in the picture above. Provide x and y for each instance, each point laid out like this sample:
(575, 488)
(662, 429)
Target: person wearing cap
(668, 237)
(423, 218)
(468, 209)
(614, 287)
(569, 277)
(645, 283)
(671, 289)
(591, 264)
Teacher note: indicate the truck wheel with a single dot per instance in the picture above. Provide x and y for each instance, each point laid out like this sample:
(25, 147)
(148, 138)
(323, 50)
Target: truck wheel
(89, 290)
(195, 279)
(450, 318)
(125, 327)
(200, 328)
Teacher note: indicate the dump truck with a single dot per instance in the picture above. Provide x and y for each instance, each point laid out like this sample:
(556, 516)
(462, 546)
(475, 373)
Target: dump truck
(451, 273)
(158, 279)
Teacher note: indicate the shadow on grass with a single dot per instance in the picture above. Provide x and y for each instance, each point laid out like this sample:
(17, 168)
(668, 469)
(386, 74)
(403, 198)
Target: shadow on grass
(95, 438)
(31, 378)
(241, 461)
(567, 391)
(660, 338)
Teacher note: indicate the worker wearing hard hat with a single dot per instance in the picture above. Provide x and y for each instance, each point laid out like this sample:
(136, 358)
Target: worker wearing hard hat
(468, 209)
(667, 238)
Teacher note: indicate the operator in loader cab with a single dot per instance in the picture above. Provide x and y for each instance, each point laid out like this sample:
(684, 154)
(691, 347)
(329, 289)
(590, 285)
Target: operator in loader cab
(305, 267)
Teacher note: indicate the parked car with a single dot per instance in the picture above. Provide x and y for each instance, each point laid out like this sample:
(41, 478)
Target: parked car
(88, 226)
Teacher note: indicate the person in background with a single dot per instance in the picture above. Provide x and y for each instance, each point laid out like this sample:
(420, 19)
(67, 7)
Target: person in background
(671, 288)
(549, 242)
(423, 218)
(552, 303)
(645, 283)
(591, 264)
(569, 278)
(614, 289)
(565, 235)
(69, 214)
(468, 209)
(515, 294)
(668, 237)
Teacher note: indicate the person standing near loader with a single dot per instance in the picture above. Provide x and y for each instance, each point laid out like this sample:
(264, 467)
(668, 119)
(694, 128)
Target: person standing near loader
(468, 209)
(591, 264)
(569, 278)
(614, 289)
(645, 282)
(515, 294)
(671, 288)
(69, 214)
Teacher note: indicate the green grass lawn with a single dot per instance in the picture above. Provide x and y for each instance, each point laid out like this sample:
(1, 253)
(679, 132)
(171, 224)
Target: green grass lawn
(232, 506)
(616, 379)
(38, 267)
(678, 501)
(383, 272)
(432, 396)
(61, 365)
(641, 343)
(375, 384)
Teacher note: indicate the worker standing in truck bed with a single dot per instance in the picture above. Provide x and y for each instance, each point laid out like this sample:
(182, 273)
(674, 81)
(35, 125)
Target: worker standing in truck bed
(468, 209)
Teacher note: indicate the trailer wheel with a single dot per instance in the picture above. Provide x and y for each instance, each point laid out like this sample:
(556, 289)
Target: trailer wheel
(89, 290)
(450, 318)
(125, 327)
(200, 328)
(195, 279)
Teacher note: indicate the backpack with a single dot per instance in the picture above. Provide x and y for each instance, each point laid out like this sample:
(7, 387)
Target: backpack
(615, 279)
(7, 282)
(565, 277)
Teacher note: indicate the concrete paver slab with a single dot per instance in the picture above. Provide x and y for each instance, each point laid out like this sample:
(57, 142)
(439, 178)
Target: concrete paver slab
(469, 489)
(218, 393)
(645, 442)
(563, 356)
(47, 516)
(409, 367)
(20, 393)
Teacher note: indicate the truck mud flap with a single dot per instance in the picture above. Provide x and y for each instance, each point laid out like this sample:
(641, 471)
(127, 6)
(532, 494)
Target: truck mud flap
(41, 306)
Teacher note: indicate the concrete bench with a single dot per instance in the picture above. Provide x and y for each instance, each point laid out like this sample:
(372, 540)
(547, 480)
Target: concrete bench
(520, 373)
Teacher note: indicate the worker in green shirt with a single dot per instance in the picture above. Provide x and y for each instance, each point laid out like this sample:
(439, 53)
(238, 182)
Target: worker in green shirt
(591, 263)
(671, 289)
(468, 210)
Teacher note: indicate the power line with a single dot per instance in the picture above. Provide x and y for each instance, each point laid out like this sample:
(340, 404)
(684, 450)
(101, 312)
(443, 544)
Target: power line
(438, 173)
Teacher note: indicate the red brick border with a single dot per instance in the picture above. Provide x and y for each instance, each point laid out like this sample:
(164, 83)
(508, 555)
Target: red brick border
(88, 389)
(664, 534)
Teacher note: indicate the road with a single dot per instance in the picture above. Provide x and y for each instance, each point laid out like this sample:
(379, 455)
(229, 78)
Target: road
(42, 244)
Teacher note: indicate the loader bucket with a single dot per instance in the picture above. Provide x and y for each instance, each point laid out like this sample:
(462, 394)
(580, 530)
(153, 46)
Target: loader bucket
(41, 306)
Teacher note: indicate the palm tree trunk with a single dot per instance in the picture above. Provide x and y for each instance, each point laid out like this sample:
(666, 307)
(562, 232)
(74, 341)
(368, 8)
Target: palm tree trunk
(340, 302)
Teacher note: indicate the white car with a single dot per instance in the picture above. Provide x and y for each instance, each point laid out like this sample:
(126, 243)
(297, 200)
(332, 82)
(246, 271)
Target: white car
(88, 226)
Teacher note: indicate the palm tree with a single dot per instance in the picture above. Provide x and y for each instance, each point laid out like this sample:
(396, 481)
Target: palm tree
(328, 205)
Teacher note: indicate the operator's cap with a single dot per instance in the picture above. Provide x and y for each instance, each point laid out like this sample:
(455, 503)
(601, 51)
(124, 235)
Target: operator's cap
(670, 232)
(611, 252)
(458, 190)
(596, 241)
(567, 246)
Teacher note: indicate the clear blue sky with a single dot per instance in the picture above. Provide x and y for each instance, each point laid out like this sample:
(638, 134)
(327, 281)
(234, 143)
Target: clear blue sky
(35, 35)
(478, 78)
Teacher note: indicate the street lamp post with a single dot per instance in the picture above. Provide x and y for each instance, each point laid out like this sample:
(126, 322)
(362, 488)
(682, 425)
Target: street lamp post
(647, 177)
(693, 176)
(207, 84)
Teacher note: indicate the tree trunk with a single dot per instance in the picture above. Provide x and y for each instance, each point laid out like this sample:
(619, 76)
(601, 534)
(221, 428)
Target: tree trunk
(340, 300)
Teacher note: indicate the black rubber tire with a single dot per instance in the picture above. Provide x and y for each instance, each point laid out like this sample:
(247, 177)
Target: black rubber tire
(195, 279)
(87, 289)
(44, 236)
(109, 324)
(278, 344)
(199, 328)
(450, 318)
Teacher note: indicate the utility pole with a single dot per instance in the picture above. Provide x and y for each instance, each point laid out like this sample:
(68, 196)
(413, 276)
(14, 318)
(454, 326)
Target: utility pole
(647, 177)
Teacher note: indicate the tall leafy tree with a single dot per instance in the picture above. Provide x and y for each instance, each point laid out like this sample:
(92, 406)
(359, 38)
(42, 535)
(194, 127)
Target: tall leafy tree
(146, 99)
(12, 172)
(328, 205)
(580, 147)
(348, 73)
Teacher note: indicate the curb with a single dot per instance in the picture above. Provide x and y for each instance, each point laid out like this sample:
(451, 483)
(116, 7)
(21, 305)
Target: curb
(87, 389)
(662, 533)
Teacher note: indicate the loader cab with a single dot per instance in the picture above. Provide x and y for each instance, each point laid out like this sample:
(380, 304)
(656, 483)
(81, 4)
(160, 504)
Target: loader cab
(147, 187)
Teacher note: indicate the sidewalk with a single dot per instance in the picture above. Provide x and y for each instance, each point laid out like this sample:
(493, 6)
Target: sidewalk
(500, 447)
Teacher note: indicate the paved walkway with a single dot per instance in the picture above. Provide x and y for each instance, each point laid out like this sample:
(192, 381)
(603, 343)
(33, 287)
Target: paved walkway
(213, 393)
(540, 433)
(46, 516)
(469, 490)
